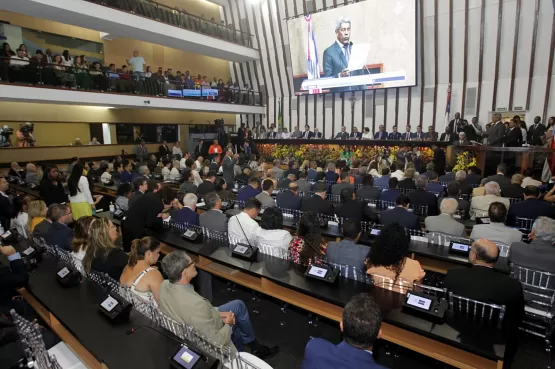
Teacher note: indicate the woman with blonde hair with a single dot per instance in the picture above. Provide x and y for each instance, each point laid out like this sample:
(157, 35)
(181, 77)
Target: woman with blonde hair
(80, 241)
(36, 213)
(102, 254)
(140, 275)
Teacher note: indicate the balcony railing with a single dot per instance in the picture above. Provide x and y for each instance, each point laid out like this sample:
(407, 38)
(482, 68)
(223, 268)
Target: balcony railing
(179, 18)
(98, 80)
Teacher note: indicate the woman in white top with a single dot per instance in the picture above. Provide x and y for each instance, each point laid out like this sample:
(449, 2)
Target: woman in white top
(367, 135)
(523, 131)
(271, 238)
(196, 175)
(166, 169)
(148, 72)
(176, 149)
(374, 170)
(285, 134)
(174, 173)
(80, 196)
(20, 216)
(81, 239)
(140, 275)
(106, 177)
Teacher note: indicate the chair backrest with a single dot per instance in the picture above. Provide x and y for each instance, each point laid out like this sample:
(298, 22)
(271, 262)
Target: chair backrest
(420, 210)
(512, 200)
(503, 249)
(352, 272)
(440, 293)
(336, 199)
(400, 285)
(440, 238)
(385, 205)
(524, 223)
(538, 286)
(278, 252)
(484, 312)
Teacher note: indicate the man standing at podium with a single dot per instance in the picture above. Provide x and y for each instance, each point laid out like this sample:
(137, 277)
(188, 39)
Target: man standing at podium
(337, 56)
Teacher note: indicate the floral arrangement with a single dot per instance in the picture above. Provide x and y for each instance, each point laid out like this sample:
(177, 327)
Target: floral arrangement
(465, 160)
(335, 152)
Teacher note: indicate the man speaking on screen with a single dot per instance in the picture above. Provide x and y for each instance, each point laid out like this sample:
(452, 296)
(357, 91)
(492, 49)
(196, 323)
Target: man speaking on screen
(336, 57)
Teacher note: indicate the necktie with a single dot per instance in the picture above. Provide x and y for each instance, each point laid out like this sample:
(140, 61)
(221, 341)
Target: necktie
(347, 53)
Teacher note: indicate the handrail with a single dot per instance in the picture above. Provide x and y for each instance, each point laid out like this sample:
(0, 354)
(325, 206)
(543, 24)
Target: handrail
(179, 17)
(159, 83)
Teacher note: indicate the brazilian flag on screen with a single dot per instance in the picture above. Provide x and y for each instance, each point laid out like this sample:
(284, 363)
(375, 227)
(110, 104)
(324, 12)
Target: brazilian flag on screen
(280, 115)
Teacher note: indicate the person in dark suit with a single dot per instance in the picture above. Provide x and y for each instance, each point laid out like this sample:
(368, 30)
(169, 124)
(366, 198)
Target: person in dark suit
(146, 212)
(394, 135)
(439, 160)
(532, 207)
(400, 214)
(535, 132)
(60, 234)
(360, 325)
(456, 125)
(318, 203)
(285, 182)
(449, 176)
(432, 134)
(293, 169)
(514, 135)
(496, 134)
(227, 166)
(307, 134)
(540, 253)
(383, 181)
(317, 134)
(391, 194)
(473, 176)
(419, 135)
(13, 276)
(337, 188)
(351, 208)
(407, 135)
(199, 149)
(244, 177)
(462, 141)
(483, 283)
(51, 187)
(368, 191)
(186, 213)
(289, 199)
(141, 152)
(140, 187)
(420, 197)
(241, 136)
(447, 136)
(336, 56)
(500, 177)
(251, 190)
(208, 185)
(381, 134)
(514, 190)
(164, 150)
(6, 208)
(433, 184)
(355, 135)
(460, 178)
(343, 135)
(408, 183)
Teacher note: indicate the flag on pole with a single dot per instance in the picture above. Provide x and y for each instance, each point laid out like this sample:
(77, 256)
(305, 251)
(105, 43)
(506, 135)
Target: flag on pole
(312, 63)
(280, 115)
(447, 106)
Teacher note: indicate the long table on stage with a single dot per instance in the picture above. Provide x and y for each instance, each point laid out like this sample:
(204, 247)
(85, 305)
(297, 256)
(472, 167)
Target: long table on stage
(459, 342)
(334, 141)
(524, 153)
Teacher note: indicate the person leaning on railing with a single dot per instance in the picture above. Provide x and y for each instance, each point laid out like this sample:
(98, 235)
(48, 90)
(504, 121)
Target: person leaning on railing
(61, 72)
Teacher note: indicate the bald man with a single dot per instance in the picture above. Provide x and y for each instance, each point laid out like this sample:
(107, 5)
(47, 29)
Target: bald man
(481, 282)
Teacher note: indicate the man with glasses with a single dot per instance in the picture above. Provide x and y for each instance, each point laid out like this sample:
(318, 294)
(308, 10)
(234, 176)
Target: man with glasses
(226, 325)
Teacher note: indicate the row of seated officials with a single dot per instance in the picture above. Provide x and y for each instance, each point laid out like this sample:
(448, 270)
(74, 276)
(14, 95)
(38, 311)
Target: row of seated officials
(155, 201)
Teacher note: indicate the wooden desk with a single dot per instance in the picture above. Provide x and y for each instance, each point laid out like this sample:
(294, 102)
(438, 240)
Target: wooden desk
(62, 332)
(412, 341)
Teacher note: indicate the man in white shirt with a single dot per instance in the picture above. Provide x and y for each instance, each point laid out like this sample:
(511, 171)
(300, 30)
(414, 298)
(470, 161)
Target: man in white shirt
(198, 163)
(94, 141)
(242, 227)
(18, 67)
(136, 63)
(399, 173)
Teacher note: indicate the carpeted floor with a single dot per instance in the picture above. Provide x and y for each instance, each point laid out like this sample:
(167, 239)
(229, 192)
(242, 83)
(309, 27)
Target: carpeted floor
(293, 335)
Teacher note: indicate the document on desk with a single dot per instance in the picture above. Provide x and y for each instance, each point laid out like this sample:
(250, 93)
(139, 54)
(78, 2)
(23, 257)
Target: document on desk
(66, 358)
(359, 56)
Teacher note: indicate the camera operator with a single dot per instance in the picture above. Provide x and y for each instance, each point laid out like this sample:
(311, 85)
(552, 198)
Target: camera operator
(5, 134)
(25, 136)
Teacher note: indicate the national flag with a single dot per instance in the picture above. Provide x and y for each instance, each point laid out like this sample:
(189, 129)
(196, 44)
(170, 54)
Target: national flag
(280, 115)
(312, 64)
(447, 106)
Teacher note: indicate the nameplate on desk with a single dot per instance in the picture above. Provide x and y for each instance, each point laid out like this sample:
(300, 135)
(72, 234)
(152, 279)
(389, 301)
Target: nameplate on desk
(333, 223)
(261, 211)
(372, 205)
(28, 251)
(419, 301)
(109, 303)
(199, 204)
(459, 247)
(64, 272)
(241, 249)
(419, 238)
(6, 234)
(375, 232)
